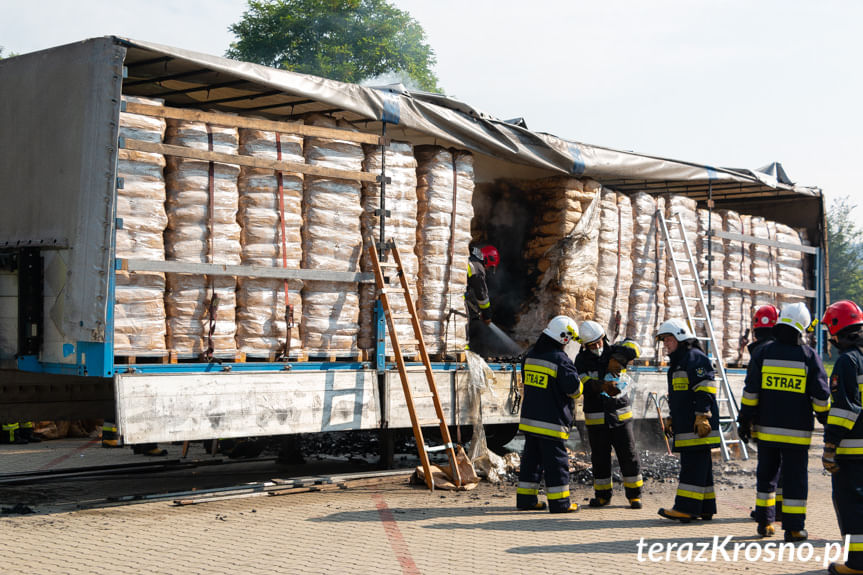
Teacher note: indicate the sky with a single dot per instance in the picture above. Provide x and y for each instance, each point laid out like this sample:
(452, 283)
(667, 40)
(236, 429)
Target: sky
(731, 83)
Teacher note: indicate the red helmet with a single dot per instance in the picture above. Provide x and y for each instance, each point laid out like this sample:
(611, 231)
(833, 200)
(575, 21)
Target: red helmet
(490, 257)
(842, 314)
(765, 316)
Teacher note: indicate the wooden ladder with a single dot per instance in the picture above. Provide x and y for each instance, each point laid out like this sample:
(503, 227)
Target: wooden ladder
(384, 291)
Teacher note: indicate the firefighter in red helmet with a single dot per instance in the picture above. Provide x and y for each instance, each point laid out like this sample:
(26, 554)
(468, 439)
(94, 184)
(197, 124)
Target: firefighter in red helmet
(482, 263)
(843, 434)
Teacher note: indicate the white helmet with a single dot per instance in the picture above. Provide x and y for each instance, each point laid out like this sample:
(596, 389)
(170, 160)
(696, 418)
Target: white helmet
(795, 315)
(677, 328)
(589, 332)
(561, 329)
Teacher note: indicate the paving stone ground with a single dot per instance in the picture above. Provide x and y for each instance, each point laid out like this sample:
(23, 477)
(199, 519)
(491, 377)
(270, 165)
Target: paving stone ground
(396, 528)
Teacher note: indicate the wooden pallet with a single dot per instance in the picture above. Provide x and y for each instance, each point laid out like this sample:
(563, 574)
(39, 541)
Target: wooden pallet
(141, 359)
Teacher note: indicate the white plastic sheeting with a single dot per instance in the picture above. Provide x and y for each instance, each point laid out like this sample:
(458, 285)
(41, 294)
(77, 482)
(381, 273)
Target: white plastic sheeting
(445, 184)
(139, 298)
(401, 225)
(202, 229)
(261, 314)
(332, 241)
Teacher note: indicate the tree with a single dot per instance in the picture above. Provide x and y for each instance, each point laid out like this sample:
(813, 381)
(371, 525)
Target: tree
(347, 40)
(845, 252)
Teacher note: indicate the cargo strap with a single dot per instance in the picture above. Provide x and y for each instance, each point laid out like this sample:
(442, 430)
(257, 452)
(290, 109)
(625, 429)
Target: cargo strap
(451, 248)
(289, 308)
(213, 306)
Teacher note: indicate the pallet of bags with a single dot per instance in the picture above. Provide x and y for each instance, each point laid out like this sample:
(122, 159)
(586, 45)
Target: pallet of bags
(201, 309)
(445, 185)
(332, 240)
(710, 251)
(139, 297)
(401, 226)
(644, 295)
(790, 266)
(563, 253)
(614, 266)
(736, 318)
(265, 209)
(687, 209)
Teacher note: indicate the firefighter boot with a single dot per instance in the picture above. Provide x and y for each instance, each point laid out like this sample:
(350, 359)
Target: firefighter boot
(573, 507)
(843, 569)
(766, 529)
(539, 506)
(795, 536)
(149, 449)
(110, 437)
(635, 503)
(28, 434)
(11, 433)
(598, 502)
(676, 515)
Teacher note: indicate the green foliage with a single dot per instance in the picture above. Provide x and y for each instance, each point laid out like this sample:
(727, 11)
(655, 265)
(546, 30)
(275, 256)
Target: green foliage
(845, 252)
(347, 40)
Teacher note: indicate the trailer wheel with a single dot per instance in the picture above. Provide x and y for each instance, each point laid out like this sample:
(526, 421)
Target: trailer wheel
(498, 435)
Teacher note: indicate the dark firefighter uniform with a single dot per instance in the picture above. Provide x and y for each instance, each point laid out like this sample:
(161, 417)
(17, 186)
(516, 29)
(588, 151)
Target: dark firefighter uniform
(784, 384)
(754, 347)
(476, 297)
(18, 432)
(691, 392)
(845, 431)
(551, 385)
(609, 424)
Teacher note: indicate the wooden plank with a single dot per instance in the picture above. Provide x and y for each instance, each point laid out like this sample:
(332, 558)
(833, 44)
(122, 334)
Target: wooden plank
(765, 288)
(241, 271)
(248, 161)
(773, 243)
(254, 123)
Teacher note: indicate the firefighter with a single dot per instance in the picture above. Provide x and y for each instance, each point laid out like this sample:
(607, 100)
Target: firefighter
(843, 436)
(483, 262)
(762, 329)
(694, 421)
(608, 412)
(785, 383)
(551, 385)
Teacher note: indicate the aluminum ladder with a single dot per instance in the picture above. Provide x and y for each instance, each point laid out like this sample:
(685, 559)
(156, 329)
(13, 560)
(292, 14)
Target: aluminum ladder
(384, 291)
(725, 396)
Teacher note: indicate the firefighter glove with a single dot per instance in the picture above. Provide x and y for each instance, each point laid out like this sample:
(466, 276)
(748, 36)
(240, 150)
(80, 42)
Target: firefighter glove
(666, 423)
(609, 388)
(828, 458)
(821, 417)
(702, 424)
(744, 430)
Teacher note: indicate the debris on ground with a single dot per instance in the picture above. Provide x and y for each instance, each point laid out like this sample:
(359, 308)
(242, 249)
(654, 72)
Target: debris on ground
(17, 509)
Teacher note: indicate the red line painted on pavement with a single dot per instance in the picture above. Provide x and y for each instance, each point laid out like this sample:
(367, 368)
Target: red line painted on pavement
(63, 458)
(397, 542)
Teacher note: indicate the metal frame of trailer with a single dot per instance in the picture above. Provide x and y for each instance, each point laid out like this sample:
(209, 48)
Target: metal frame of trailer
(95, 74)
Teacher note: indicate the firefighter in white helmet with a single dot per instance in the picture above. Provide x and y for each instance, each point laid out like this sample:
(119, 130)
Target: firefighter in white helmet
(785, 384)
(694, 421)
(608, 412)
(551, 385)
